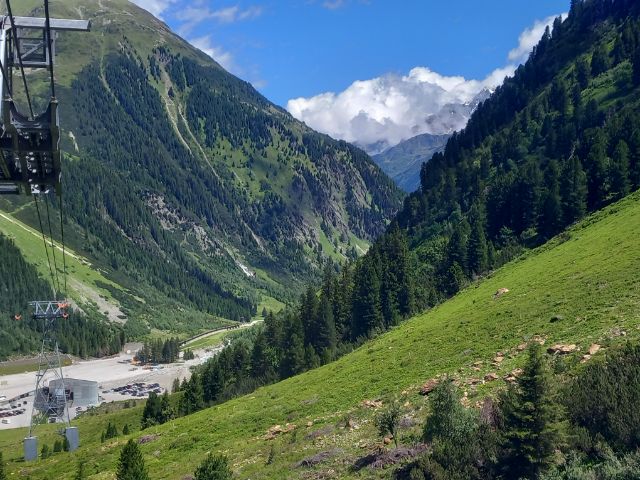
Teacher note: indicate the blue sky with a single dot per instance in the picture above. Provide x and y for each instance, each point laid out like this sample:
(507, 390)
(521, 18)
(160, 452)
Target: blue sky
(304, 49)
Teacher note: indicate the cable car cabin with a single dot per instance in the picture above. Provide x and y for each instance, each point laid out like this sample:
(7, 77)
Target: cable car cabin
(30, 159)
(29, 146)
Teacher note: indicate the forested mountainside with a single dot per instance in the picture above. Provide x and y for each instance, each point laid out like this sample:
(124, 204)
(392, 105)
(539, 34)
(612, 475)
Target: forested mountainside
(20, 283)
(403, 162)
(570, 146)
(557, 140)
(187, 187)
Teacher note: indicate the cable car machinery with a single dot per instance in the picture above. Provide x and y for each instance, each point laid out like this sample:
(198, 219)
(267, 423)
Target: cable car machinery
(30, 164)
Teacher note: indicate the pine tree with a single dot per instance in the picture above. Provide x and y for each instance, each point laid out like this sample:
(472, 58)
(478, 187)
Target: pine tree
(388, 421)
(214, 467)
(598, 163)
(550, 220)
(533, 427)
(600, 62)
(619, 170)
(57, 446)
(193, 396)
(458, 244)
(166, 409)
(3, 475)
(478, 252)
(583, 73)
(45, 451)
(574, 191)
(131, 463)
(366, 307)
(325, 341)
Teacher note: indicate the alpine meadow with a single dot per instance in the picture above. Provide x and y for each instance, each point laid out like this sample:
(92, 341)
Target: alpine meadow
(203, 285)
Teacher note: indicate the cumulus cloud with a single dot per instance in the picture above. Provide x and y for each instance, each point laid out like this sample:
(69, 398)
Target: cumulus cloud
(194, 15)
(391, 108)
(530, 37)
(383, 111)
(156, 7)
(219, 54)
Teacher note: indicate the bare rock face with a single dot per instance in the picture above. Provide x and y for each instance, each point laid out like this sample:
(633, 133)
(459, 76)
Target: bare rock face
(562, 349)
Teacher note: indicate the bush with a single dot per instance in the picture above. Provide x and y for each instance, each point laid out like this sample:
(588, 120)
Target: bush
(214, 467)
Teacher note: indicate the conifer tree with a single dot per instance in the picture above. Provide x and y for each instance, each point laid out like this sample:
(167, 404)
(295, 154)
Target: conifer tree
(533, 427)
(574, 190)
(3, 475)
(214, 467)
(366, 307)
(619, 170)
(193, 396)
(600, 62)
(583, 73)
(325, 341)
(550, 219)
(478, 252)
(597, 162)
(131, 463)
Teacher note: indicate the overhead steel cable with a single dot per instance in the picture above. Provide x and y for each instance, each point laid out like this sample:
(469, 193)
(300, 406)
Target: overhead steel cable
(14, 32)
(44, 240)
(64, 256)
(53, 246)
(49, 42)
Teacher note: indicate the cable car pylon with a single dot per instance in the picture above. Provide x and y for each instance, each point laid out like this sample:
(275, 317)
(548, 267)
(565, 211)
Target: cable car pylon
(30, 164)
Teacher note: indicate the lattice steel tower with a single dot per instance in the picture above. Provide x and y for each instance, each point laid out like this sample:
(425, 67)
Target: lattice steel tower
(51, 397)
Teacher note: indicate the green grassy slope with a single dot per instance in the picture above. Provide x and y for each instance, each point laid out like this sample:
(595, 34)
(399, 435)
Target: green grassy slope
(580, 288)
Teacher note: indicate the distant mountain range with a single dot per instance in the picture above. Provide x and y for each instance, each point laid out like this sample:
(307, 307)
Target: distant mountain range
(402, 162)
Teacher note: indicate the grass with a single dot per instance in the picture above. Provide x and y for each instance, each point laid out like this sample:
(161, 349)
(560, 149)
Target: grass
(12, 367)
(84, 278)
(582, 287)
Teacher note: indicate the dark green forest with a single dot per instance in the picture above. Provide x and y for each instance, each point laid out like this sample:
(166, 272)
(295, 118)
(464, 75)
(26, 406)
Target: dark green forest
(20, 284)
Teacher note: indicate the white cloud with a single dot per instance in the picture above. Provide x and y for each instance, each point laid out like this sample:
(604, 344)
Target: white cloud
(530, 37)
(391, 108)
(156, 7)
(385, 110)
(219, 54)
(194, 15)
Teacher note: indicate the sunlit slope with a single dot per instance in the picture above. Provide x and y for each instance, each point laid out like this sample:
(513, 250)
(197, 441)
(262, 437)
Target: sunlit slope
(581, 288)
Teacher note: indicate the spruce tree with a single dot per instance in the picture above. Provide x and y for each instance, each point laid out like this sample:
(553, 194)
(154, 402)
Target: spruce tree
(214, 467)
(131, 463)
(583, 73)
(533, 427)
(325, 341)
(574, 190)
(598, 168)
(366, 306)
(619, 170)
(193, 396)
(600, 62)
(478, 252)
(3, 475)
(550, 218)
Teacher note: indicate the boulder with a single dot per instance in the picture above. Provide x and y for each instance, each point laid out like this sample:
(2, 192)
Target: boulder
(372, 404)
(428, 387)
(490, 377)
(562, 349)
(593, 349)
(500, 292)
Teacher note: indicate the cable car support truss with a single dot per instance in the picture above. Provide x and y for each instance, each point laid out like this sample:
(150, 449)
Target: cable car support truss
(30, 164)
